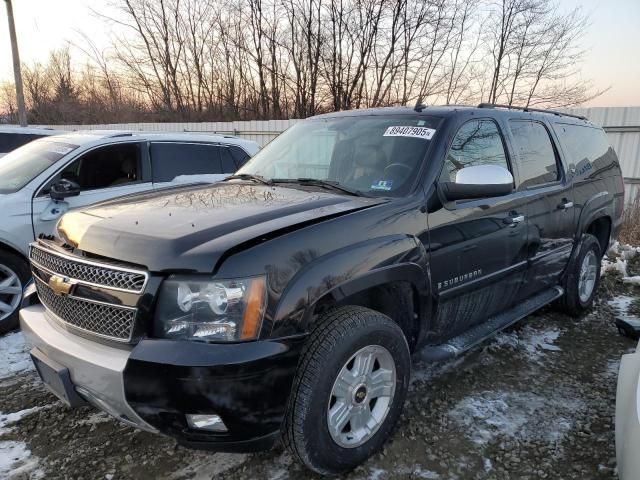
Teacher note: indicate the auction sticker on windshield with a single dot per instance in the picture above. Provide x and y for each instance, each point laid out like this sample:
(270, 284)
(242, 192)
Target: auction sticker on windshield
(414, 132)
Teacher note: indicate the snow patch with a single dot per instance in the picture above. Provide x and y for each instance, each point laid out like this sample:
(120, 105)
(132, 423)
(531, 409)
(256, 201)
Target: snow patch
(280, 471)
(534, 343)
(425, 372)
(517, 415)
(621, 306)
(377, 474)
(205, 466)
(95, 419)
(14, 355)
(616, 260)
(419, 472)
(16, 462)
(7, 419)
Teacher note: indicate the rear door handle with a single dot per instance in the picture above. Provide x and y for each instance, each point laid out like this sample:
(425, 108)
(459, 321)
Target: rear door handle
(565, 205)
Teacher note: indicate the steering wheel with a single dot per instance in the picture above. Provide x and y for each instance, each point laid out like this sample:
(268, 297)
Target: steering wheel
(397, 171)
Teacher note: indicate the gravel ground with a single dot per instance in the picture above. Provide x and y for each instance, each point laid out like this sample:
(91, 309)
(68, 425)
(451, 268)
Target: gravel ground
(535, 402)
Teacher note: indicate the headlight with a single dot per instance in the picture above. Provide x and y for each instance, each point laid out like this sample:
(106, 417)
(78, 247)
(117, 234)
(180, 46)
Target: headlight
(201, 308)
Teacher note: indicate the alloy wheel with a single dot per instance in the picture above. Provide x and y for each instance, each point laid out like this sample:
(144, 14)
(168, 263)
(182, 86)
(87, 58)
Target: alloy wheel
(10, 292)
(361, 396)
(588, 272)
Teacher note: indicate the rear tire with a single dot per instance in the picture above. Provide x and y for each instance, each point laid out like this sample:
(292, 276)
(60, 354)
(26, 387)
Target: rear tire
(582, 279)
(349, 390)
(14, 274)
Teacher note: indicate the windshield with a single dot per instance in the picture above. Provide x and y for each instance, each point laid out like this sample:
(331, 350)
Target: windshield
(19, 167)
(370, 154)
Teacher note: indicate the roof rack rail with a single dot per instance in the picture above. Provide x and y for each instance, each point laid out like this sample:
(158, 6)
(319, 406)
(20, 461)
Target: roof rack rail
(120, 134)
(529, 109)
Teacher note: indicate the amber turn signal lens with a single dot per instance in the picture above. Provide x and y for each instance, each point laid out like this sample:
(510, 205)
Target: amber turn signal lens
(255, 309)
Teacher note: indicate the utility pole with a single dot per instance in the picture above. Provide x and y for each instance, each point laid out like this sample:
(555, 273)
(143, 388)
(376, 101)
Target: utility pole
(22, 112)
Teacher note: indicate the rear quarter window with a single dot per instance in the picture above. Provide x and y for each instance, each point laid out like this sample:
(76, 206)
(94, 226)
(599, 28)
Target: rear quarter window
(239, 156)
(587, 148)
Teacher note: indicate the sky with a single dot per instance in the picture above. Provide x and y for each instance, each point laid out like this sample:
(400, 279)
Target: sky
(612, 41)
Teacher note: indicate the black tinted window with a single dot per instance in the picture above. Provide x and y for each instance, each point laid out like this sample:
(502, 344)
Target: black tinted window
(535, 154)
(103, 167)
(587, 147)
(11, 141)
(478, 142)
(170, 160)
(226, 159)
(239, 155)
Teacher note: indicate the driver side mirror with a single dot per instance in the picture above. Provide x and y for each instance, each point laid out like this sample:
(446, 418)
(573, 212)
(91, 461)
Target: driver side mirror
(63, 189)
(478, 181)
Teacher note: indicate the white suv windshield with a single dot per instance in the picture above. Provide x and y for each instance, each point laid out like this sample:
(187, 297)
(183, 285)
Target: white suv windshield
(369, 154)
(19, 167)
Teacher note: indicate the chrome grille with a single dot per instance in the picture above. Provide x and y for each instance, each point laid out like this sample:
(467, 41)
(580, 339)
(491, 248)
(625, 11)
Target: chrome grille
(97, 318)
(107, 276)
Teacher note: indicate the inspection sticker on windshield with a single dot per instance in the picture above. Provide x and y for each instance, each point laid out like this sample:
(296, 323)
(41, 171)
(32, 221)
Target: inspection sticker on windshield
(414, 132)
(382, 185)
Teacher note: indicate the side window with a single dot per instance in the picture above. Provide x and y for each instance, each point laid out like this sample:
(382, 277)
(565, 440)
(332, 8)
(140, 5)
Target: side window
(226, 159)
(239, 156)
(103, 167)
(588, 147)
(537, 163)
(478, 142)
(170, 160)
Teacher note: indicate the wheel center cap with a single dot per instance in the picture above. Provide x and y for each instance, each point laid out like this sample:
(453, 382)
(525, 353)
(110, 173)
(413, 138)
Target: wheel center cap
(360, 394)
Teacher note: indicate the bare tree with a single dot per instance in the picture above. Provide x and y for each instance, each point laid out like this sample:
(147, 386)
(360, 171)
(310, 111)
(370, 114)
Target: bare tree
(248, 59)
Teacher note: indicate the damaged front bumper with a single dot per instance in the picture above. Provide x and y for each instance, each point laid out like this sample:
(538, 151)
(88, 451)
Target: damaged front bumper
(156, 384)
(94, 370)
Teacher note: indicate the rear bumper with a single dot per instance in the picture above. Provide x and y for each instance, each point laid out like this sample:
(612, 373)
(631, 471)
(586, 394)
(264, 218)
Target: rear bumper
(156, 383)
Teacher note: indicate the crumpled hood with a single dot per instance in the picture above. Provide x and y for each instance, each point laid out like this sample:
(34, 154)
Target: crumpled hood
(191, 228)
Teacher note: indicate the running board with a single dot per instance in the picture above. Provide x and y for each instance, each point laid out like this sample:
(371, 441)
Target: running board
(469, 339)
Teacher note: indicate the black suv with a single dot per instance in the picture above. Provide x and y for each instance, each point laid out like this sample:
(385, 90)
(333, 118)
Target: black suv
(286, 302)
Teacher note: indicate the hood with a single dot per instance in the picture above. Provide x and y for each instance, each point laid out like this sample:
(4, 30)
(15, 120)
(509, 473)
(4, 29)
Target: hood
(191, 228)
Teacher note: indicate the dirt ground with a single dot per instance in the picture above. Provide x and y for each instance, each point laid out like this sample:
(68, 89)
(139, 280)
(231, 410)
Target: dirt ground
(535, 402)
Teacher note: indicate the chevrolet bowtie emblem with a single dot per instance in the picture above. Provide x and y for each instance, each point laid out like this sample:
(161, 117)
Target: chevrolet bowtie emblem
(60, 285)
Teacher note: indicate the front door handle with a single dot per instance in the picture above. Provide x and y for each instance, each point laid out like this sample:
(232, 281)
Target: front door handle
(512, 221)
(565, 205)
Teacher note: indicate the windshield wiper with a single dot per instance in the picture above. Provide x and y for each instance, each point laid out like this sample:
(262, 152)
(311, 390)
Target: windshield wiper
(249, 176)
(328, 184)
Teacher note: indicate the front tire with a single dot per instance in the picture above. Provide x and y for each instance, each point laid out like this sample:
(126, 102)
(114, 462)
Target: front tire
(349, 390)
(14, 274)
(583, 278)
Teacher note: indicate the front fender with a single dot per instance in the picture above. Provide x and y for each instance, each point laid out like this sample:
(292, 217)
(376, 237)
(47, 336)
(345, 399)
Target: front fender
(347, 271)
(12, 242)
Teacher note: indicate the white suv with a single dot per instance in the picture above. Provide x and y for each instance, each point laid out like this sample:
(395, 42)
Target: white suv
(42, 180)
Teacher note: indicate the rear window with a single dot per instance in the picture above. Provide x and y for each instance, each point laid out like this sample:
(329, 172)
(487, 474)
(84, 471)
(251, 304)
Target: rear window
(170, 160)
(11, 141)
(537, 163)
(587, 147)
